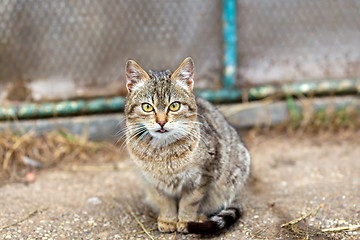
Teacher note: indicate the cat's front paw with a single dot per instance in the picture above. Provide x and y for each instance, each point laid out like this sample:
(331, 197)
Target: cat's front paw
(202, 218)
(182, 227)
(166, 226)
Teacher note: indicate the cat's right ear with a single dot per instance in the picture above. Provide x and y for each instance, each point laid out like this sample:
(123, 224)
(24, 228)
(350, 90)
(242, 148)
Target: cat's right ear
(185, 73)
(135, 75)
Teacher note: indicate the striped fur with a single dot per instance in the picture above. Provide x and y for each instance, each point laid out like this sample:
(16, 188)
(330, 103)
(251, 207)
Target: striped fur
(193, 163)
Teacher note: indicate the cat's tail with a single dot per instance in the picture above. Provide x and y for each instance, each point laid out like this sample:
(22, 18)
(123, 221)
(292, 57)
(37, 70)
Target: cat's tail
(223, 219)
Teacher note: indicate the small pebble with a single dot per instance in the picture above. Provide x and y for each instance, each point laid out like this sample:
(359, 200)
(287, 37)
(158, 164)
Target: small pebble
(94, 201)
(30, 177)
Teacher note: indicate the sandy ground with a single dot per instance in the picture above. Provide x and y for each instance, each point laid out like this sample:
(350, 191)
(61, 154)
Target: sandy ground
(291, 176)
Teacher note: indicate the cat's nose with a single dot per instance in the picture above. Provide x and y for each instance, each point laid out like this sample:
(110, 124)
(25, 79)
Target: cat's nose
(161, 123)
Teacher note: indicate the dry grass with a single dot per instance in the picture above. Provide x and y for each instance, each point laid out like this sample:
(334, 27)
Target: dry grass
(308, 120)
(327, 119)
(24, 153)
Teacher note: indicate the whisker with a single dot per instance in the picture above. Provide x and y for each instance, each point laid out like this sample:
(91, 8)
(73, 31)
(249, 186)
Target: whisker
(197, 135)
(124, 129)
(128, 127)
(123, 133)
(133, 134)
(141, 137)
(121, 121)
(200, 129)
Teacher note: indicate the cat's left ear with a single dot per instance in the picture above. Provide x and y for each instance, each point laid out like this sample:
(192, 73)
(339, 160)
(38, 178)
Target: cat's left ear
(185, 74)
(134, 75)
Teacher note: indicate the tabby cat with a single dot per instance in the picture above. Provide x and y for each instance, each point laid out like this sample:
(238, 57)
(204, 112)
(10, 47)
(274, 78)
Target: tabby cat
(193, 162)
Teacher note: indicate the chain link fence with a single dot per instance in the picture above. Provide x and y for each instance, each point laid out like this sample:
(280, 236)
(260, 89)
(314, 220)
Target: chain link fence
(61, 49)
(297, 40)
(65, 49)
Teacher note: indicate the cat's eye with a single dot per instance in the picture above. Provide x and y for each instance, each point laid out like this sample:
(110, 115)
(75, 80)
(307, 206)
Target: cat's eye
(146, 107)
(175, 106)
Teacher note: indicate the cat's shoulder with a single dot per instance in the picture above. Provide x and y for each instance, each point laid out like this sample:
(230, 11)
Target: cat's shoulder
(204, 105)
(201, 102)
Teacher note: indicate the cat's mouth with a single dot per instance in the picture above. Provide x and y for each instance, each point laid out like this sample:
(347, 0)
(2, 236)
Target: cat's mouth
(162, 130)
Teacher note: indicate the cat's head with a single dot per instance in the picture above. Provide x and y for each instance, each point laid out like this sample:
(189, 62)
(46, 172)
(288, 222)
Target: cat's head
(161, 104)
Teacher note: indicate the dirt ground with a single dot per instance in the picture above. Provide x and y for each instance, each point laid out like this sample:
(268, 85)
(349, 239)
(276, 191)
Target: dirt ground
(291, 176)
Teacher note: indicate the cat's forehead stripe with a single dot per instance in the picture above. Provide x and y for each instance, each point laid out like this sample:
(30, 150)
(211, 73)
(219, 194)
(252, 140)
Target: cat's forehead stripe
(159, 75)
(160, 91)
(160, 87)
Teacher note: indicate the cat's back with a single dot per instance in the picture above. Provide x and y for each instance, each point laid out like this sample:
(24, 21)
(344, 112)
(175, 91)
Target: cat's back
(229, 160)
(213, 119)
(221, 137)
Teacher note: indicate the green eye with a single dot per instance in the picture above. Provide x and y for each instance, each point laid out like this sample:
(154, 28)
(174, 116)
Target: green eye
(146, 107)
(175, 106)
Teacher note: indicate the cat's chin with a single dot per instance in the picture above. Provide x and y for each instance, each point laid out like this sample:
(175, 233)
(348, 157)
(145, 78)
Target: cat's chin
(166, 137)
(160, 134)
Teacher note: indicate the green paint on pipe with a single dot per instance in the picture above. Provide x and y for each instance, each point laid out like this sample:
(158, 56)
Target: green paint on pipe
(229, 42)
(117, 104)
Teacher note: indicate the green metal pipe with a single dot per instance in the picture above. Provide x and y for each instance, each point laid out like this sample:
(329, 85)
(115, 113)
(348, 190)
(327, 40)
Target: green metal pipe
(326, 87)
(116, 104)
(229, 41)
(62, 108)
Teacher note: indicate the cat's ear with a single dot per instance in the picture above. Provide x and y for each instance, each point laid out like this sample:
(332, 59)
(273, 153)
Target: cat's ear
(185, 73)
(134, 75)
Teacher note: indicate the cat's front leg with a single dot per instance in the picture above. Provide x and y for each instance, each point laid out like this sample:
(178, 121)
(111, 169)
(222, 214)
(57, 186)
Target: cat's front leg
(188, 207)
(167, 218)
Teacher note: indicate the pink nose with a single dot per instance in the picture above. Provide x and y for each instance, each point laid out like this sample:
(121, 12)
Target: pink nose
(161, 123)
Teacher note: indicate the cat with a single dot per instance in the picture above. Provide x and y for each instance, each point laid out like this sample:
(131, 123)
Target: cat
(192, 160)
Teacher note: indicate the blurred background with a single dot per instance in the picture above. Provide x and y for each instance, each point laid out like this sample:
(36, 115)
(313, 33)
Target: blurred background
(285, 73)
(266, 63)
(61, 50)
